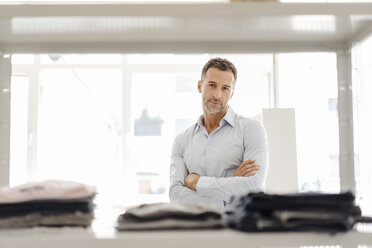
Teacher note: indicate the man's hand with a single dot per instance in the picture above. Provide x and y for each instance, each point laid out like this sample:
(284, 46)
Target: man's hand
(246, 169)
(191, 180)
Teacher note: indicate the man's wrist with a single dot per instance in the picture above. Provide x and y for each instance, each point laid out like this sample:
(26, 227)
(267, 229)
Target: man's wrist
(191, 181)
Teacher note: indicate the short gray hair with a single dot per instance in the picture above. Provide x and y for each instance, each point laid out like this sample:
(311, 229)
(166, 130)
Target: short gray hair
(220, 64)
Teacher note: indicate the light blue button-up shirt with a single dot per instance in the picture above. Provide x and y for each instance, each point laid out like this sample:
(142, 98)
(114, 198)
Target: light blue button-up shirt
(215, 157)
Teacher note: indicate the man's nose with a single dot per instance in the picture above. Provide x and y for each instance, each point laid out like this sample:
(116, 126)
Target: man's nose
(218, 93)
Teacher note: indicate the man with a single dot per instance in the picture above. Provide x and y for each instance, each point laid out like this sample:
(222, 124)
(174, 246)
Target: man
(223, 154)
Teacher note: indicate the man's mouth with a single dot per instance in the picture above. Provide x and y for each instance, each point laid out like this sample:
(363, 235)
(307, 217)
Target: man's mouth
(214, 102)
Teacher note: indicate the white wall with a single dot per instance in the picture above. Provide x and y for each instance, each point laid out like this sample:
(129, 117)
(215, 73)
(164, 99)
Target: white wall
(5, 71)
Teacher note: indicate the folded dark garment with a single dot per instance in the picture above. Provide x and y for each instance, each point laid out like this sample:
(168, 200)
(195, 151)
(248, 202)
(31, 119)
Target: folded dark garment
(46, 207)
(169, 216)
(258, 212)
(297, 201)
(256, 221)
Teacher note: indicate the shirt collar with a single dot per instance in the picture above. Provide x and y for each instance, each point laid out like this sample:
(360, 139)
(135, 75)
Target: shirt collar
(229, 118)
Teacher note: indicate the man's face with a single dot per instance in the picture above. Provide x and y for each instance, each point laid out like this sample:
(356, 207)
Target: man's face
(216, 89)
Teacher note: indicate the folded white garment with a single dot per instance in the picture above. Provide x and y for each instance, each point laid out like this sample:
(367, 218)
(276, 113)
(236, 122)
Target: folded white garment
(46, 190)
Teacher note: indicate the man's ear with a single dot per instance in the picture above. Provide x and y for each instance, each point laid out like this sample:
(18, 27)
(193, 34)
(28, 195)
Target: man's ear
(200, 83)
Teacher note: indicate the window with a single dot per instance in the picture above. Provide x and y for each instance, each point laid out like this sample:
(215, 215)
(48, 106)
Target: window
(19, 129)
(74, 124)
(110, 119)
(362, 123)
(308, 83)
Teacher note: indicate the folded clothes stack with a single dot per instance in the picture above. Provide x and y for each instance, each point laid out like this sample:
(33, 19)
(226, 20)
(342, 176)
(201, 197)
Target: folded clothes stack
(158, 216)
(47, 203)
(259, 212)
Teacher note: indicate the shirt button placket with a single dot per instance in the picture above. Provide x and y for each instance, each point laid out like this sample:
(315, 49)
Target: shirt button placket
(208, 158)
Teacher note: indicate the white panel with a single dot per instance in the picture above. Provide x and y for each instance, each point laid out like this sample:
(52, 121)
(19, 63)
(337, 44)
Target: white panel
(345, 119)
(281, 136)
(5, 71)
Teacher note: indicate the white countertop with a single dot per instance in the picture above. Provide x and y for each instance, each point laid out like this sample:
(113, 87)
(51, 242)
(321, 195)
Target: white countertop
(102, 233)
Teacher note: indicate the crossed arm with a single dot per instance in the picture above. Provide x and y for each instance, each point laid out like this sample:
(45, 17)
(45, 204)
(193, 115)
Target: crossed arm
(193, 188)
(246, 169)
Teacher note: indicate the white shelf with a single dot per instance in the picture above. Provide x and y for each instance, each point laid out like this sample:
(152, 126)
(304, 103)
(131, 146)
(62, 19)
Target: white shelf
(77, 237)
(235, 27)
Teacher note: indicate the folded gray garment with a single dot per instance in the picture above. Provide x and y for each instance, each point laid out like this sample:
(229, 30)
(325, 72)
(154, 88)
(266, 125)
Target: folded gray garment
(169, 216)
(29, 220)
(36, 219)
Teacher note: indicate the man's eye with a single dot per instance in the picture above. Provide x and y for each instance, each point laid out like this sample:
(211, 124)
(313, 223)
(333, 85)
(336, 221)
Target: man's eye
(226, 88)
(211, 85)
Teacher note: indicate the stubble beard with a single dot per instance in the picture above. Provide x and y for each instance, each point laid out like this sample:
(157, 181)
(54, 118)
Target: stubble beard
(205, 105)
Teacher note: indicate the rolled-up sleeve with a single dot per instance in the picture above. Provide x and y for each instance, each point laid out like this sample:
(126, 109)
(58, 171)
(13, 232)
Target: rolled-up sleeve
(255, 147)
(178, 192)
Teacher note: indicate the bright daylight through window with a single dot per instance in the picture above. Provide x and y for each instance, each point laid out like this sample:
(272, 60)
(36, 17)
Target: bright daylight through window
(109, 119)
(363, 122)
